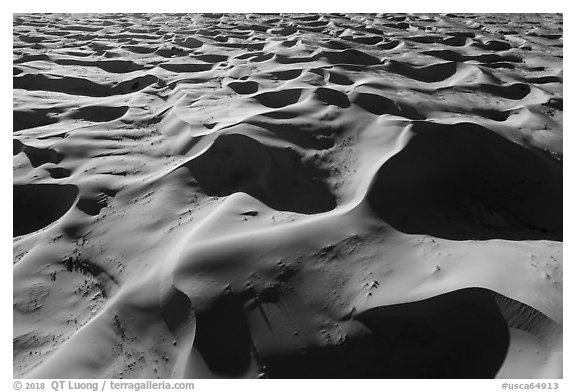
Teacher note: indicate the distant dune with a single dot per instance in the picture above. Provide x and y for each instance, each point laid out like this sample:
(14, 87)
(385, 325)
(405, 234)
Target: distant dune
(287, 196)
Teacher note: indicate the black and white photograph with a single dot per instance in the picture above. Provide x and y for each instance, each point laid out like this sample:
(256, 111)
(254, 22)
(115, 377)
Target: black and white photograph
(289, 195)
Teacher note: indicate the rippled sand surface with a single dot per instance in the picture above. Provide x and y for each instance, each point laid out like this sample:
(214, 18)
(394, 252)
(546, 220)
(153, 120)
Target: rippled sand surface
(287, 196)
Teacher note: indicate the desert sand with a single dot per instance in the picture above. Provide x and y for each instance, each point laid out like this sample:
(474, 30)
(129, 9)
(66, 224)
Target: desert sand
(287, 196)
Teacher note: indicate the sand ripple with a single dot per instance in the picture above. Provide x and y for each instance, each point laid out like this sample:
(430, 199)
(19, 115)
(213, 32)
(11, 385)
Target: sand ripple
(287, 196)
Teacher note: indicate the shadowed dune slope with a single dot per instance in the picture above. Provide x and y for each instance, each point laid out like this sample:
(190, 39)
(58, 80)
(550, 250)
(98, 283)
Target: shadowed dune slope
(460, 334)
(277, 177)
(223, 338)
(36, 206)
(464, 182)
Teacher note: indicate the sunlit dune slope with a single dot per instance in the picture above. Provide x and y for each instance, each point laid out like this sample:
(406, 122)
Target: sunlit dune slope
(287, 196)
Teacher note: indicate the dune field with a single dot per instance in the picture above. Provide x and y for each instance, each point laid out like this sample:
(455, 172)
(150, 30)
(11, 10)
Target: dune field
(287, 196)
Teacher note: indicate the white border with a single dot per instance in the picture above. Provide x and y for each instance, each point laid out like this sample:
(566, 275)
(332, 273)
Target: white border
(434, 6)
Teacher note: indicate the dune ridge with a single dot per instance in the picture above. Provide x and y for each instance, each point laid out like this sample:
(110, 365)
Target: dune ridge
(287, 196)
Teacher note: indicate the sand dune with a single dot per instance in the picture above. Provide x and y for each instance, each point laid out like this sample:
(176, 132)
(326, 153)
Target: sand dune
(287, 196)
